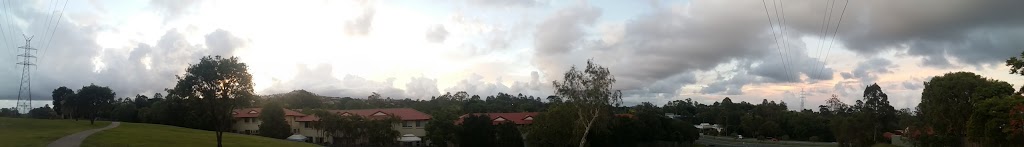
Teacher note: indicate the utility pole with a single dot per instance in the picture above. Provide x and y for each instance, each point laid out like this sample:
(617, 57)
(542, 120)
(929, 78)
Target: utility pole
(25, 104)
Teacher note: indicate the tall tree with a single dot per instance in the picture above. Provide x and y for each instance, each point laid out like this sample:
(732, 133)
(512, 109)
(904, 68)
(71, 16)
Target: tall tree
(92, 99)
(477, 131)
(508, 135)
(590, 93)
(273, 124)
(59, 95)
(879, 112)
(947, 101)
(218, 85)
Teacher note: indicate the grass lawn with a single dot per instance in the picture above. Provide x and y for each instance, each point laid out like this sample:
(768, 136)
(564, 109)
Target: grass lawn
(138, 134)
(40, 132)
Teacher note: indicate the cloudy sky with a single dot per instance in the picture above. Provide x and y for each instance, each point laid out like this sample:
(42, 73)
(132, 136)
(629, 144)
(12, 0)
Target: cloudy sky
(658, 50)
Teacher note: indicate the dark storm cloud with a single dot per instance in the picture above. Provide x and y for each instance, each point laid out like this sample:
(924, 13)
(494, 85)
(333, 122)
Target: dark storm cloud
(869, 70)
(972, 32)
(675, 40)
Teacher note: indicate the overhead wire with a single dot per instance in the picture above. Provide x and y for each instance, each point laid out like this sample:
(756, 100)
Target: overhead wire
(6, 43)
(838, 24)
(54, 30)
(826, 24)
(777, 46)
(49, 18)
(785, 39)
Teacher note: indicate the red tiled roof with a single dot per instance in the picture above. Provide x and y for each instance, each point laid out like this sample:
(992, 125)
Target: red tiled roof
(246, 112)
(401, 113)
(520, 118)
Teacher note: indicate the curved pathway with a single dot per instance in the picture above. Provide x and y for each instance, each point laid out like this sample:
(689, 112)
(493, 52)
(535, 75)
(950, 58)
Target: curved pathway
(76, 139)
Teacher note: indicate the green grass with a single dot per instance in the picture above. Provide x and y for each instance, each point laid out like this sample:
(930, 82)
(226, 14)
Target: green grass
(40, 132)
(137, 134)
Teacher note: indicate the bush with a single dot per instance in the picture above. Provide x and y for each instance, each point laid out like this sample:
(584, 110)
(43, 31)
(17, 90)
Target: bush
(814, 138)
(44, 112)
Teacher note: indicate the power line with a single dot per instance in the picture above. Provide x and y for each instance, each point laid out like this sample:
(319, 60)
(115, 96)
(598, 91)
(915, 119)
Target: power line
(54, 30)
(785, 39)
(838, 24)
(777, 46)
(826, 23)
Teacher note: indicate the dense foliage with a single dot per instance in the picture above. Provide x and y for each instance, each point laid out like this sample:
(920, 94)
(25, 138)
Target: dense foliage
(272, 120)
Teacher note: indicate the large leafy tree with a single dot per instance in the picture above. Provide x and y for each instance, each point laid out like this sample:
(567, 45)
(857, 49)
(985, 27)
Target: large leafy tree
(881, 114)
(477, 131)
(508, 135)
(217, 85)
(948, 100)
(59, 96)
(553, 129)
(92, 99)
(273, 124)
(589, 92)
(990, 122)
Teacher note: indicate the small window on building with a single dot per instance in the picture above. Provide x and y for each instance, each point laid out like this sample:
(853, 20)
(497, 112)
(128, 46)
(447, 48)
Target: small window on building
(407, 124)
(528, 118)
(419, 123)
(253, 112)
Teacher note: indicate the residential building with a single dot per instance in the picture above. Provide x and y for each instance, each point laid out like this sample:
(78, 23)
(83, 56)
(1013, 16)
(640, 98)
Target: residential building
(520, 118)
(411, 123)
(247, 120)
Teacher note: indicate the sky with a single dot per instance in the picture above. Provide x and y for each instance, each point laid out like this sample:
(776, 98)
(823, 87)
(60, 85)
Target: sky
(658, 50)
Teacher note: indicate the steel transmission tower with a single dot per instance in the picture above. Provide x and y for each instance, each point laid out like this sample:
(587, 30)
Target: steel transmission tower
(803, 96)
(25, 104)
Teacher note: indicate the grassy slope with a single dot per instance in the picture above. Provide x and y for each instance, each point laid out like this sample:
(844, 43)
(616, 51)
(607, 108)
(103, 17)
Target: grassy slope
(40, 132)
(137, 134)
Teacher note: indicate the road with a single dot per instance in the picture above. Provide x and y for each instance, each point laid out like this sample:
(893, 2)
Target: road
(731, 142)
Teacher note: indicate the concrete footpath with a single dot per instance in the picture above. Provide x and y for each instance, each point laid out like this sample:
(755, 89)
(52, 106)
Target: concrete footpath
(76, 139)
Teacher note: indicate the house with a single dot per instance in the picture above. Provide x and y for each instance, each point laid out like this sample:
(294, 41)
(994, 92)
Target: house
(247, 121)
(519, 118)
(411, 124)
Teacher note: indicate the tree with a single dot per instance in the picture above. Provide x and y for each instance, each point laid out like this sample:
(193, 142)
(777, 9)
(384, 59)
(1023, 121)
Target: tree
(302, 99)
(508, 135)
(552, 129)
(380, 132)
(59, 95)
(273, 124)
(8, 112)
(44, 112)
(477, 131)
(92, 99)
(126, 112)
(218, 85)
(590, 93)
(877, 109)
(947, 103)
(990, 123)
